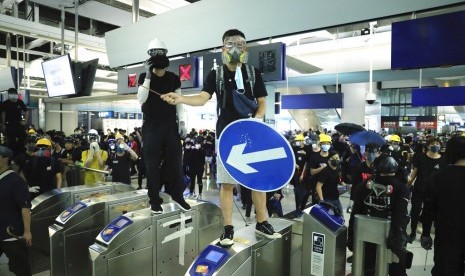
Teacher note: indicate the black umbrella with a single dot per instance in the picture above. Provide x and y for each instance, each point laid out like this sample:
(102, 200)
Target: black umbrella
(348, 128)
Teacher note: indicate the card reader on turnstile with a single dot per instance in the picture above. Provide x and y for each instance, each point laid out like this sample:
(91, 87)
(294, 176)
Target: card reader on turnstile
(251, 254)
(209, 260)
(47, 206)
(114, 227)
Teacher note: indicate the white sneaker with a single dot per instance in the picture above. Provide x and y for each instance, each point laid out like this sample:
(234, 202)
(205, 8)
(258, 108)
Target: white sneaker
(199, 197)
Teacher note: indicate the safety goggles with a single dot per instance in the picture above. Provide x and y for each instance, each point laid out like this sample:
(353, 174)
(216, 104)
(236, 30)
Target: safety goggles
(157, 52)
(238, 42)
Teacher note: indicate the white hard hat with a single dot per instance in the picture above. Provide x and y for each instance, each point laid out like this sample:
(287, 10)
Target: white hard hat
(156, 44)
(93, 131)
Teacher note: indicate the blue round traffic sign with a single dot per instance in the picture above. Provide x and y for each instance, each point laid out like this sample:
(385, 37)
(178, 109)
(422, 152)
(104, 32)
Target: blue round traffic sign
(256, 155)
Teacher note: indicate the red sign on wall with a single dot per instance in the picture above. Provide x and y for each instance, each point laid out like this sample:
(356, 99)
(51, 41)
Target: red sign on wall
(429, 125)
(389, 124)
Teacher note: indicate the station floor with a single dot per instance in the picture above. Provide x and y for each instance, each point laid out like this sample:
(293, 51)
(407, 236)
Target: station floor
(210, 193)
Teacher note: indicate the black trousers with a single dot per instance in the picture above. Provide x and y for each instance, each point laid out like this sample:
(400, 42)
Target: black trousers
(370, 263)
(246, 195)
(417, 203)
(16, 136)
(196, 174)
(162, 143)
(448, 258)
(17, 254)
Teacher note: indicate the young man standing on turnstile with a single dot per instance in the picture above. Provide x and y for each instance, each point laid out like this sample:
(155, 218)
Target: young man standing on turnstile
(234, 58)
(162, 142)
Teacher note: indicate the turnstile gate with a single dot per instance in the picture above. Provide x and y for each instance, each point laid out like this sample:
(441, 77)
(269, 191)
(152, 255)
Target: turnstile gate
(76, 228)
(144, 243)
(251, 254)
(47, 206)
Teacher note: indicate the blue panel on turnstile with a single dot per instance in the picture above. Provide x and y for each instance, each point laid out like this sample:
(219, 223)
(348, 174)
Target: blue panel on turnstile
(209, 260)
(327, 216)
(114, 227)
(72, 210)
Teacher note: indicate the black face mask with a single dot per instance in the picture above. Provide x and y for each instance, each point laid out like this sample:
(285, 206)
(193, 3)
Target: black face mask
(334, 163)
(385, 179)
(160, 61)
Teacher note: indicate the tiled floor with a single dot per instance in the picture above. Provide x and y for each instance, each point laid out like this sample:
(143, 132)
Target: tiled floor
(211, 193)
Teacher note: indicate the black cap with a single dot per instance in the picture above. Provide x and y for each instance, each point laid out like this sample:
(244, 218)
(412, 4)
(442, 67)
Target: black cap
(6, 152)
(12, 91)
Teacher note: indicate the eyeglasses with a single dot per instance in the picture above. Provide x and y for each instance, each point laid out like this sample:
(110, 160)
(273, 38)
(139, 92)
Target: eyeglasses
(240, 43)
(157, 52)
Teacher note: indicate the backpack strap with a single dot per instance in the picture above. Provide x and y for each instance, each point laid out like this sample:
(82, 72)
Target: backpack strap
(251, 76)
(220, 89)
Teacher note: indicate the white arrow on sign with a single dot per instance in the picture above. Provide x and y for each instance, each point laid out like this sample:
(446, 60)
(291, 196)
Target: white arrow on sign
(240, 161)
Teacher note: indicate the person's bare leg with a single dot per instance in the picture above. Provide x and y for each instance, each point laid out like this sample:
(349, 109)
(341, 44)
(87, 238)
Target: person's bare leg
(259, 200)
(226, 203)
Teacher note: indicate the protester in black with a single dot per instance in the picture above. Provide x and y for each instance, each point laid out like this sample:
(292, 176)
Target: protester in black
(390, 202)
(364, 170)
(12, 111)
(119, 160)
(160, 127)
(196, 167)
(328, 179)
(43, 172)
(15, 215)
(445, 205)
(425, 164)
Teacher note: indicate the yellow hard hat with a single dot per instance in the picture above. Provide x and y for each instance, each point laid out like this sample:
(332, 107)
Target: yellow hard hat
(395, 138)
(118, 136)
(299, 137)
(31, 131)
(43, 142)
(325, 138)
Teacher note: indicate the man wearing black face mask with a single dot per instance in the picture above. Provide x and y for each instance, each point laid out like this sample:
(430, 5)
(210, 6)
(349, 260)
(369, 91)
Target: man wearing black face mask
(160, 128)
(424, 165)
(328, 180)
(12, 120)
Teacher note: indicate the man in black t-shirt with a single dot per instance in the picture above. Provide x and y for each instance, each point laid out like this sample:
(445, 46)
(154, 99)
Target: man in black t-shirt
(234, 68)
(160, 129)
(15, 216)
(328, 179)
(424, 165)
(12, 120)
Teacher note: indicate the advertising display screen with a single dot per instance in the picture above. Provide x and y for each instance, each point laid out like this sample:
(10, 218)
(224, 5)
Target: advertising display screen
(59, 76)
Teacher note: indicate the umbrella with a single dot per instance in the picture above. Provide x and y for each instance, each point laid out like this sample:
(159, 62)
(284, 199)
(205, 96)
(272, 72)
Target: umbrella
(348, 128)
(364, 137)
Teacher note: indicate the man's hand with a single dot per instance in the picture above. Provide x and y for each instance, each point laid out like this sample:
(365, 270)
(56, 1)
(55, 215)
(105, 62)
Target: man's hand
(426, 242)
(277, 196)
(34, 189)
(148, 68)
(27, 236)
(171, 98)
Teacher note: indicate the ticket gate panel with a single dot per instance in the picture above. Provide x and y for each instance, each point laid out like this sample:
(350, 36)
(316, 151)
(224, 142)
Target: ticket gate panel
(76, 228)
(176, 243)
(47, 206)
(124, 265)
(160, 236)
(251, 254)
(266, 257)
(323, 249)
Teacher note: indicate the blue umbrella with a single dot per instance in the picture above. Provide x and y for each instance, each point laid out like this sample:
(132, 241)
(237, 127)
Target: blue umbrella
(364, 137)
